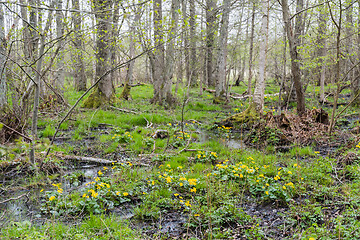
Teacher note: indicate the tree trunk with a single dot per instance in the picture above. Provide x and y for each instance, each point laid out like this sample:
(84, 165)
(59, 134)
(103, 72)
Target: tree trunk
(79, 67)
(129, 73)
(3, 98)
(260, 83)
(338, 26)
(105, 90)
(59, 81)
(157, 57)
(322, 52)
(356, 87)
(293, 39)
(170, 53)
(210, 39)
(114, 75)
(193, 70)
(251, 49)
(37, 84)
(220, 71)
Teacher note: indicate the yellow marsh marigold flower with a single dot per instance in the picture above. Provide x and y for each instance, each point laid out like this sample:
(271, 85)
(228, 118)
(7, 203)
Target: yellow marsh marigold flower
(60, 190)
(181, 184)
(100, 173)
(125, 194)
(193, 190)
(168, 179)
(182, 179)
(176, 194)
(192, 181)
(51, 198)
(41, 190)
(118, 193)
(187, 203)
(94, 194)
(284, 187)
(84, 195)
(105, 168)
(267, 193)
(289, 172)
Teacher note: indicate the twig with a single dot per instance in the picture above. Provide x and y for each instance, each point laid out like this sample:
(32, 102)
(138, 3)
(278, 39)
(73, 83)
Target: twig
(148, 124)
(123, 110)
(24, 136)
(15, 198)
(187, 144)
(111, 236)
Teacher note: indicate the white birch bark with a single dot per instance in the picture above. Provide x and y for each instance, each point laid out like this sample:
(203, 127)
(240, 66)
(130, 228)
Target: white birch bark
(260, 83)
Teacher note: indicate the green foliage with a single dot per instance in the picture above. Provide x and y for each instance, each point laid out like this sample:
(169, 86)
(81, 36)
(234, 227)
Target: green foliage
(49, 131)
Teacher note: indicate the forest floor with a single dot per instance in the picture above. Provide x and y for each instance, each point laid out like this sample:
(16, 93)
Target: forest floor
(138, 171)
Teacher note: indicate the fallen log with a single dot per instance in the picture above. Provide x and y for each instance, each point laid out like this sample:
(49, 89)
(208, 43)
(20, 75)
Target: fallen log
(131, 85)
(85, 159)
(238, 96)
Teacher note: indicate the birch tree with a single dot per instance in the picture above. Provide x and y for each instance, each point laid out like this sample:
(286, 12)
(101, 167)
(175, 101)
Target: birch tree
(260, 83)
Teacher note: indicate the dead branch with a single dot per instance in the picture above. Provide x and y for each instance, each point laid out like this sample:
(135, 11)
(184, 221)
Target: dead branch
(14, 198)
(123, 110)
(132, 85)
(24, 136)
(85, 159)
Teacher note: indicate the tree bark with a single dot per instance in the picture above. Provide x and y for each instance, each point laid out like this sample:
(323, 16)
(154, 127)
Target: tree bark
(129, 73)
(79, 67)
(210, 39)
(251, 48)
(3, 98)
(193, 71)
(260, 83)
(293, 39)
(322, 52)
(105, 90)
(170, 52)
(37, 84)
(59, 81)
(162, 93)
(220, 71)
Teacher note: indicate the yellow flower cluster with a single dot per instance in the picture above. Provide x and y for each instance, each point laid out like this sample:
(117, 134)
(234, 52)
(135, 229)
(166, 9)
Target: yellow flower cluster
(93, 193)
(59, 189)
(192, 181)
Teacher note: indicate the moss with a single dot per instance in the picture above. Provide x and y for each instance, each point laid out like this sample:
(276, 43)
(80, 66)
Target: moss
(97, 99)
(219, 100)
(125, 94)
(249, 116)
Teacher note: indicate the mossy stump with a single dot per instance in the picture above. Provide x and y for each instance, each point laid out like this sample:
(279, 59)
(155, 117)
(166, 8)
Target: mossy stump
(249, 116)
(97, 99)
(125, 94)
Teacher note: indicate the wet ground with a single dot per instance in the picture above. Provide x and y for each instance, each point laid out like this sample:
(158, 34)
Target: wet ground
(171, 224)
